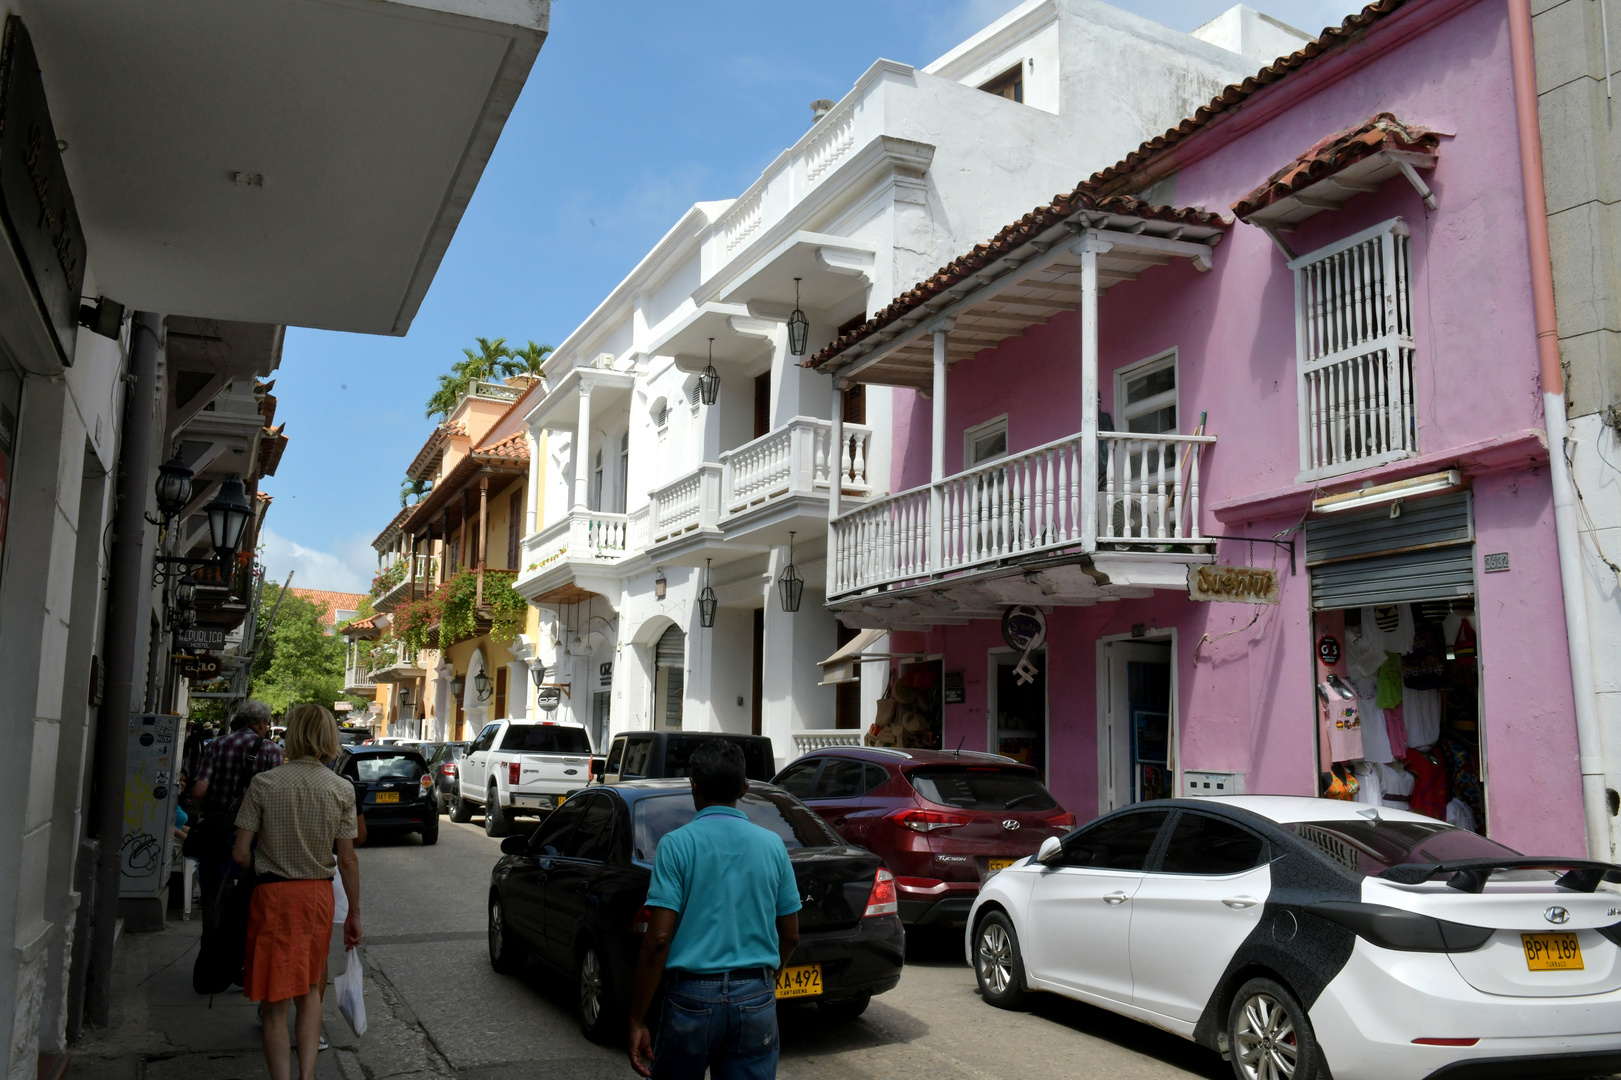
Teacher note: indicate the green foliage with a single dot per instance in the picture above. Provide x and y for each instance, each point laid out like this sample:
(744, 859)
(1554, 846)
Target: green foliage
(411, 491)
(509, 611)
(386, 579)
(452, 608)
(493, 360)
(298, 660)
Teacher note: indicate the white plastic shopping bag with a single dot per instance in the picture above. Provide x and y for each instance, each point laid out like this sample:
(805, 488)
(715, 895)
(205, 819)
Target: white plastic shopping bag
(351, 995)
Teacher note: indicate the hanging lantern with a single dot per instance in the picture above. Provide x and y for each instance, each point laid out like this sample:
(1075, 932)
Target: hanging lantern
(481, 685)
(706, 601)
(458, 686)
(228, 515)
(660, 586)
(798, 326)
(173, 486)
(185, 592)
(790, 584)
(709, 381)
(539, 672)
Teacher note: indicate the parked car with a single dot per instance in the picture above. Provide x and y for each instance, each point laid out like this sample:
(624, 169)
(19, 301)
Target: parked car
(518, 767)
(650, 755)
(943, 822)
(348, 736)
(398, 791)
(572, 895)
(442, 763)
(1303, 936)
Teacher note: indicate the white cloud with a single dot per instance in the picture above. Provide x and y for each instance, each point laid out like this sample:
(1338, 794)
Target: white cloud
(348, 567)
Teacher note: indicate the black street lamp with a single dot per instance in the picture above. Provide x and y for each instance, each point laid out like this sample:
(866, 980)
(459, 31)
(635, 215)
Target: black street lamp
(173, 486)
(458, 687)
(228, 515)
(481, 685)
(706, 601)
(790, 584)
(798, 326)
(709, 381)
(660, 586)
(539, 673)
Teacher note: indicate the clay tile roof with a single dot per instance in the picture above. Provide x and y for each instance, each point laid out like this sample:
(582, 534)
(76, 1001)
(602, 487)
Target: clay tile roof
(1013, 236)
(330, 602)
(1121, 175)
(431, 451)
(1337, 152)
(514, 447)
(272, 444)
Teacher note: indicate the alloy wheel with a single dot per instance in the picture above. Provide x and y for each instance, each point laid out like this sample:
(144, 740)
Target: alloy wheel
(590, 987)
(995, 957)
(496, 930)
(1267, 1047)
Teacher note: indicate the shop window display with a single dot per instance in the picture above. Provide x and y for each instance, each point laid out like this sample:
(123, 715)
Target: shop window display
(909, 713)
(1398, 709)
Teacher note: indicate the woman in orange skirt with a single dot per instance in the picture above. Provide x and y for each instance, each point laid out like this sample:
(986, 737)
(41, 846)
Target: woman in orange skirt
(299, 813)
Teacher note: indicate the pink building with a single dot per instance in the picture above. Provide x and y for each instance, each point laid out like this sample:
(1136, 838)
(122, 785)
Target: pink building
(1326, 370)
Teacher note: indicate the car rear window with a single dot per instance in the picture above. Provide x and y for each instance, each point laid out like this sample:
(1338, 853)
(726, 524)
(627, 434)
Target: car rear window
(757, 761)
(546, 739)
(347, 737)
(370, 768)
(655, 816)
(1372, 847)
(982, 787)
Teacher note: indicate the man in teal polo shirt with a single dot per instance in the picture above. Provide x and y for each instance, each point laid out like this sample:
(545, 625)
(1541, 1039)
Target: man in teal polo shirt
(724, 918)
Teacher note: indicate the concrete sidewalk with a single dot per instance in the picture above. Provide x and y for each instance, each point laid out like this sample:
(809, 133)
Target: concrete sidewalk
(161, 1030)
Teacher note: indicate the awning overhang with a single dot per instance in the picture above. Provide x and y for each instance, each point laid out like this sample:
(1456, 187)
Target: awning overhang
(559, 410)
(831, 269)
(741, 339)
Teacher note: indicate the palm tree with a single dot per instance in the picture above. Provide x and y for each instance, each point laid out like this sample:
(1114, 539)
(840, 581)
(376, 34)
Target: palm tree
(530, 359)
(413, 490)
(492, 360)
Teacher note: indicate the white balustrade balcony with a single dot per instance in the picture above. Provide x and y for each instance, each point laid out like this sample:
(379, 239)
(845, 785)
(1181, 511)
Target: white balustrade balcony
(688, 504)
(421, 576)
(584, 539)
(1146, 495)
(392, 661)
(822, 739)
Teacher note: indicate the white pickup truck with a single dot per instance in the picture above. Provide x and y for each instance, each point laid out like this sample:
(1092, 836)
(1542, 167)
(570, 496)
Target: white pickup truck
(519, 767)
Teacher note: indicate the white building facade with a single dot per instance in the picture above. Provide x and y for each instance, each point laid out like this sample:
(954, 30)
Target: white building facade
(651, 496)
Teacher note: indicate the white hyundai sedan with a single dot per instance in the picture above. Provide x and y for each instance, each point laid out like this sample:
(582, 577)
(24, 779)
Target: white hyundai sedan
(1308, 938)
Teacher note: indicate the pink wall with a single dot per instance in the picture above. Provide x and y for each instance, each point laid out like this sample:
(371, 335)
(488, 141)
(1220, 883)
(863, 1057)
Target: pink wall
(1245, 699)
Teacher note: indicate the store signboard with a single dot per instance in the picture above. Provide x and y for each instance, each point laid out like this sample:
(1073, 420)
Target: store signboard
(200, 637)
(149, 798)
(1232, 584)
(549, 697)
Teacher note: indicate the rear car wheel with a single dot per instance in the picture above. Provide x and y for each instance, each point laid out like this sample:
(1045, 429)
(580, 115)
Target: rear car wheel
(460, 812)
(1268, 1035)
(848, 1009)
(505, 956)
(495, 818)
(598, 1011)
(430, 832)
(998, 963)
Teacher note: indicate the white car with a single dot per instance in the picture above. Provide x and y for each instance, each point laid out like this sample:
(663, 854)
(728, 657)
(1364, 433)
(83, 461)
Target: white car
(1305, 938)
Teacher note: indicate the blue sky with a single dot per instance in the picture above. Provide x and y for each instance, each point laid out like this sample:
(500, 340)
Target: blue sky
(635, 110)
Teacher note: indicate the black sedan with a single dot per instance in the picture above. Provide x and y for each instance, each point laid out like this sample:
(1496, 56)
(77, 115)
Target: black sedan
(398, 789)
(572, 894)
(443, 763)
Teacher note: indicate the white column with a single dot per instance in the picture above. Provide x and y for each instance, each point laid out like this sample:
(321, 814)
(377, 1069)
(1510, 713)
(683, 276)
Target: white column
(582, 447)
(835, 484)
(1090, 248)
(537, 469)
(937, 461)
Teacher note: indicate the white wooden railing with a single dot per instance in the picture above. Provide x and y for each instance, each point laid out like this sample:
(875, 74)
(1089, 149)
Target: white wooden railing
(393, 654)
(798, 458)
(806, 741)
(1355, 349)
(1146, 492)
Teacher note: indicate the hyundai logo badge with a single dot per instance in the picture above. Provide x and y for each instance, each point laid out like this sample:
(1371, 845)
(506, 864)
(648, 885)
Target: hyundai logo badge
(1557, 915)
(1010, 825)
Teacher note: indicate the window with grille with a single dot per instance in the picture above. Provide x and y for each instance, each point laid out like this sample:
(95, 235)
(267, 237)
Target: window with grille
(1355, 352)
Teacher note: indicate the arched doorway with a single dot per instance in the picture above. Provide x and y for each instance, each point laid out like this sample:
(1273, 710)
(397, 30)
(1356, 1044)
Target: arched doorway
(669, 680)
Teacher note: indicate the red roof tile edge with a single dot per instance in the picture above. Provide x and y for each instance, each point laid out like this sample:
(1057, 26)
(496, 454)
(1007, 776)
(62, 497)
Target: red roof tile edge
(1335, 153)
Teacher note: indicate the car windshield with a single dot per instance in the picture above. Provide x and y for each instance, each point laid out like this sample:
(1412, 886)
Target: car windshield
(370, 768)
(546, 739)
(1372, 847)
(654, 816)
(982, 787)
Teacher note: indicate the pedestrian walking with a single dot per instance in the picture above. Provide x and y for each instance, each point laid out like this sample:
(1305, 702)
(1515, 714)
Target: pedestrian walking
(723, 907)
(292, 820)
(228, 766)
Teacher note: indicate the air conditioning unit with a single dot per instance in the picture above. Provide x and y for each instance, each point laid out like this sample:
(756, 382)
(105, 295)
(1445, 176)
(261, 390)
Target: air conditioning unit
(604, 360)
(1211, 783)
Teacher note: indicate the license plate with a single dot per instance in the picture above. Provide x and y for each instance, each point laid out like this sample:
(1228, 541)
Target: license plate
(1000, 864)
(802, 981)
(1552, 952)
(387, 796)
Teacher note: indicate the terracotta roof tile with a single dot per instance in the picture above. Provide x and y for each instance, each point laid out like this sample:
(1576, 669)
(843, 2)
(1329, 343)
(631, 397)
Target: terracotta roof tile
(514, 447)
(330, 602)
(1336, 152)
(1021, 232)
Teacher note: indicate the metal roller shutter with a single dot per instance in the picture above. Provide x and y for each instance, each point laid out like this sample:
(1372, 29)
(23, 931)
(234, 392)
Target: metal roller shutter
(672, 648)
(1425, 554)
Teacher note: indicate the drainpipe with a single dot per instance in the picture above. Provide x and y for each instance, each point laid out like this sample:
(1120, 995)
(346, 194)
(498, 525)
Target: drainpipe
(1588, 733)
(127, 587)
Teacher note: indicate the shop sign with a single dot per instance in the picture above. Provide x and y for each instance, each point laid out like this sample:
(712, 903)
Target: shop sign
(200, 637)
(954, 692)
(605, 674)
(1233, 584)
(34, 195)
(1024, 627)
(204, 669)
(549, 697)
(1328, 650)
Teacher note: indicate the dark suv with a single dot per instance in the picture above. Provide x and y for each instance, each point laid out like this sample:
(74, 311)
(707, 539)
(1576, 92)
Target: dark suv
(943, 822)
(395, 789)
(442, 763)
(654, 755)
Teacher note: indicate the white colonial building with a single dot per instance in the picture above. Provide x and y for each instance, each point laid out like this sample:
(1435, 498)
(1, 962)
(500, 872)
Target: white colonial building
(651, 495)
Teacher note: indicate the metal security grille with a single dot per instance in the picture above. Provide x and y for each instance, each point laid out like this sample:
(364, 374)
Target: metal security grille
(670, 657)
(1354, 343)
(1425, 554)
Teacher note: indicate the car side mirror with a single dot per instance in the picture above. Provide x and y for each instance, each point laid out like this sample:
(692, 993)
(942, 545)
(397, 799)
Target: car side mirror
(598, 768)
(516, 844)
(1051, 850)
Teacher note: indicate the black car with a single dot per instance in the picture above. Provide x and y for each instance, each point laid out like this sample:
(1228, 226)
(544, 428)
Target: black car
(572, 895)
(398, 791)
(352, 736)
(442, 762)
(648, 755)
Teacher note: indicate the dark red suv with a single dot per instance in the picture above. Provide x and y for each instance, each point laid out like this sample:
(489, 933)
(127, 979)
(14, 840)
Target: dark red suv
(942, 821)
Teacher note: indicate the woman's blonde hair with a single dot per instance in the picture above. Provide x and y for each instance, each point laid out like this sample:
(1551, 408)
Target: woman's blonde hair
(311, 732)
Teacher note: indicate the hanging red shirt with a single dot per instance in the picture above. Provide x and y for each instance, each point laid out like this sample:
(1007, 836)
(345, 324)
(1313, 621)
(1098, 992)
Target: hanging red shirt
(1429, 785)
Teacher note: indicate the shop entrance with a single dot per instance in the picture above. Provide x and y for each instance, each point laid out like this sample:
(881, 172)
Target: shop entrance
(1136, 728)
(1018, 710)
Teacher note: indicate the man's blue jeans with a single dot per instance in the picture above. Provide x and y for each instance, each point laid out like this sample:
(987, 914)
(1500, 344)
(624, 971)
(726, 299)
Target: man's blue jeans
(726, 1025)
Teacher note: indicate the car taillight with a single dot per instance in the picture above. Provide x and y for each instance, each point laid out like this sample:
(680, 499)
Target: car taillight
(1061, 821)
(447, 769)
(638, 924)
(881, 901)
(512, 772)
(427, 781)
(927, 821)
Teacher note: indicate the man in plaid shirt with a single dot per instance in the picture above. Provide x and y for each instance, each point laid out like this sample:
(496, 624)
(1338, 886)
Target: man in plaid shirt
(221, 782)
